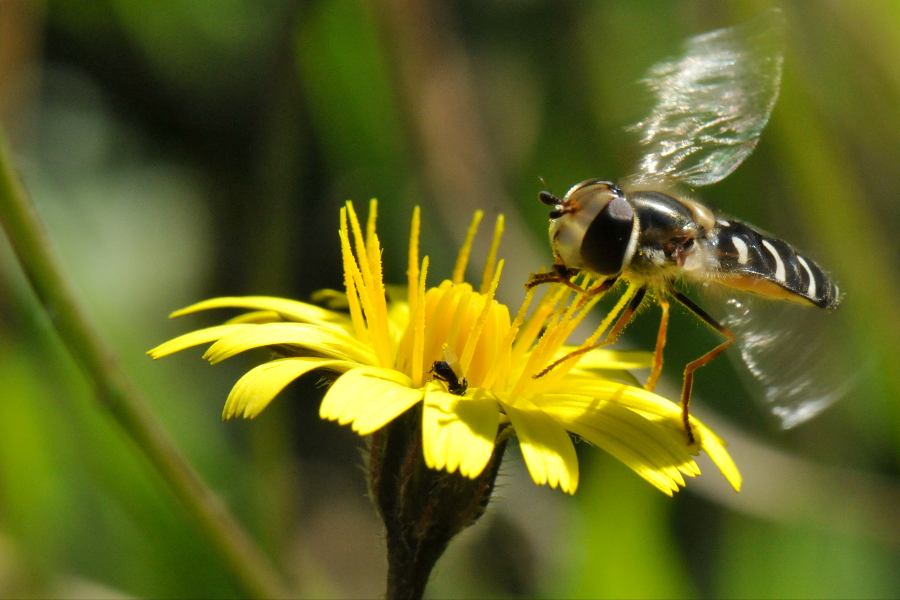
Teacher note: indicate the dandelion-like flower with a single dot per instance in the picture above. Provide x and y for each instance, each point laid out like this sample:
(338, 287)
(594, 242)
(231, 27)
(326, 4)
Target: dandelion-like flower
(439, 425)
(384, 350)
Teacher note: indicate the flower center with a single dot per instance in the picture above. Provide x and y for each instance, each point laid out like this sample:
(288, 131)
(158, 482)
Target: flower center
(452, 313)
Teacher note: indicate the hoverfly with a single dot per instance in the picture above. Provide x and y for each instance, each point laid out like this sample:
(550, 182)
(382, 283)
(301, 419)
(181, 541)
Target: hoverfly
(712, 103)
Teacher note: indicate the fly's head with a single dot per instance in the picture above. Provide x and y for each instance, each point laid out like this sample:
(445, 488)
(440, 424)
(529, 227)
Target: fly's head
(592, 227)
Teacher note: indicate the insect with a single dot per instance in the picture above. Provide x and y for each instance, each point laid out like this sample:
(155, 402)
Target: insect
(711, 106)
(448, 371)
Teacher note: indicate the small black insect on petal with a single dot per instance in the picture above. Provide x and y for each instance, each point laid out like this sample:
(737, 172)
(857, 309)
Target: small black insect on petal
(444, 372)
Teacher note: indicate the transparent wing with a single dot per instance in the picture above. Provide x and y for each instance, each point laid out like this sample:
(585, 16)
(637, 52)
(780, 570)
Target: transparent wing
(711, 103)
(793, 358)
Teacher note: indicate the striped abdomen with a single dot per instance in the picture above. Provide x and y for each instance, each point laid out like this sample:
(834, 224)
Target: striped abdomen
(749, 260)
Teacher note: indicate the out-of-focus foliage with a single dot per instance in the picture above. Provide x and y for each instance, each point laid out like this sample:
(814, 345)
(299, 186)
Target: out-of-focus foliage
(197, 149)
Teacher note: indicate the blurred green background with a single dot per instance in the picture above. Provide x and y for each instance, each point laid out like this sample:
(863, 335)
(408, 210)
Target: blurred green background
(189, 149)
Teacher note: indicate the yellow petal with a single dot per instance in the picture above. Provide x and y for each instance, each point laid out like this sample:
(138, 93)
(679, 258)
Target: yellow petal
(418, 329)
(370, 286)
(645, 446)
(715, 448)
(290, 310)
(333, 299)
(492, 255)
(369, 398)
(257, 316)
(628, 396)
(546, 446)
(366, 294)
(313, 338)
(195, 338)
(353, 294)
(458, 432)
(610, 359)
(256, 389)
(462, 259)
(399, 316)
(412, 269)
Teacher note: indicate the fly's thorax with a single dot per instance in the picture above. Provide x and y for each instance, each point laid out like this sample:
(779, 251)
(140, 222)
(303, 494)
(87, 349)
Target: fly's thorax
(594, 228)
(671, 235)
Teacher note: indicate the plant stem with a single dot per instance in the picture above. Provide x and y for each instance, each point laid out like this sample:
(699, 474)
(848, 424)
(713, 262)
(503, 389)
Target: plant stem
(252, 570)
(423, 509)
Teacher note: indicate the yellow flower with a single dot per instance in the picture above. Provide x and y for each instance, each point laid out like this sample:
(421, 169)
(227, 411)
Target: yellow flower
(383, 352)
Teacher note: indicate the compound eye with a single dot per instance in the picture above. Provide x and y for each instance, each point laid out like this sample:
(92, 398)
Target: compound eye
(605, 244)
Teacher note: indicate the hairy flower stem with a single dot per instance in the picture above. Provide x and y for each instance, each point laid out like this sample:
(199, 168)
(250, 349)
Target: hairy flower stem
(423, 509)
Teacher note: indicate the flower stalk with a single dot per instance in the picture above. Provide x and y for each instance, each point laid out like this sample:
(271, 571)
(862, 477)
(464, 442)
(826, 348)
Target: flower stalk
(116, 393)
(422, 508)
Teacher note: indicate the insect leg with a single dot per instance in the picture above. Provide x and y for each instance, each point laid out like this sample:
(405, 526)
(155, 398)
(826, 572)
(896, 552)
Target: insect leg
(563, 276)
(703, 360)
(656, 370)
(598, 289)
(624, 318)
(537, 279)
